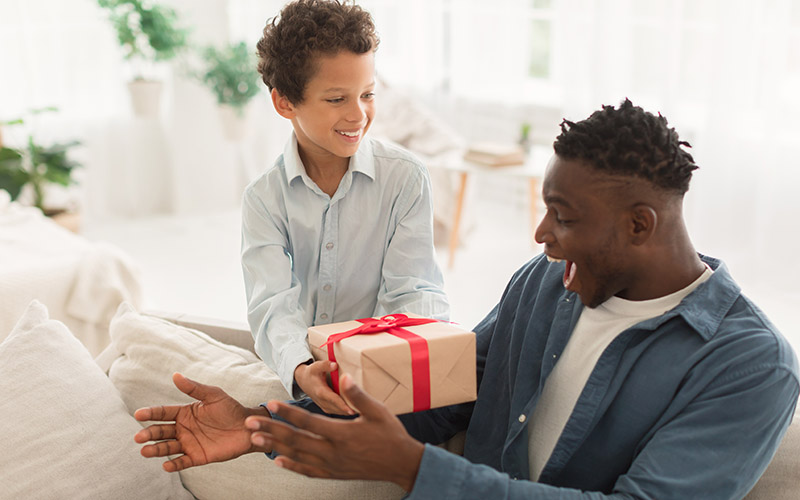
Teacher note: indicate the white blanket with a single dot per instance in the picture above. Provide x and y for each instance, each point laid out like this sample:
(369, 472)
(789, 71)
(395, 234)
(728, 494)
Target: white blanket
(81, 282)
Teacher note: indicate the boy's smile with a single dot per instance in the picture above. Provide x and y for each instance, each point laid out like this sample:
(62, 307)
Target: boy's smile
(337, 110)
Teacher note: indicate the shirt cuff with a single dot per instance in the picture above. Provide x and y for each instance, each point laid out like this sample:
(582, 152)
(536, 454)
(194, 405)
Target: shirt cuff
(440, 475)
(292, 356)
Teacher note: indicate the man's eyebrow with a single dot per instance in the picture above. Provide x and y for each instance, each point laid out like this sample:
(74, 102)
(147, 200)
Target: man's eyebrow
(554, 198)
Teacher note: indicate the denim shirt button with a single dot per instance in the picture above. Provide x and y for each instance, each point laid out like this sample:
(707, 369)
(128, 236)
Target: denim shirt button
(522, 419)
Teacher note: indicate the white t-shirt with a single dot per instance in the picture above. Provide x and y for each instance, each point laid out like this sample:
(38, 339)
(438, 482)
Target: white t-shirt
(595, 330)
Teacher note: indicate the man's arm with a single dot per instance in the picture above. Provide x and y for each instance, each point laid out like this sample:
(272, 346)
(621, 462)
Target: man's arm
(412, 280)
(716, 448)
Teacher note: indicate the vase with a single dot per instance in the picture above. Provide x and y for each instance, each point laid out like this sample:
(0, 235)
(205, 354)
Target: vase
(145, 97)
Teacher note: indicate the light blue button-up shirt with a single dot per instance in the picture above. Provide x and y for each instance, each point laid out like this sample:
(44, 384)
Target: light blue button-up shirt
(311, 259)
(691, 404)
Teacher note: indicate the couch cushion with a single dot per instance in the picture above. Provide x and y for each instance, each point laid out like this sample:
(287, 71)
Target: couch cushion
(66, 432)
(781, 480)
(153, 349)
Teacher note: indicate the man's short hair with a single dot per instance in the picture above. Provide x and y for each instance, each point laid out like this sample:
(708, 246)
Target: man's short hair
(305, 30)
(629, 141)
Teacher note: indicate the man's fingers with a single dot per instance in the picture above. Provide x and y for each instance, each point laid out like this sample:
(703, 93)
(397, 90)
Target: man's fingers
(364, 404)
(194, 389)
(155, 433)
(307, 470)
(161, 449)
(159, 413)
(178, 464)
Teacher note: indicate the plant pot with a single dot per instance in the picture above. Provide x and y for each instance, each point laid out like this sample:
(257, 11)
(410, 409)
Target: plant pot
(145, 97)
(234, 122)
(65, 218)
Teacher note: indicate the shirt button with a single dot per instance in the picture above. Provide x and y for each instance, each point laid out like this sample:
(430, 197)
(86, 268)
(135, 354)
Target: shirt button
(555, 356)
(522, 418)
(327, 288)
(329, 246)
(323, 316)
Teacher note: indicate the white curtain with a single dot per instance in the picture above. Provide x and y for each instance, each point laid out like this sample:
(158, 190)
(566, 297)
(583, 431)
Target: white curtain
(726, 73)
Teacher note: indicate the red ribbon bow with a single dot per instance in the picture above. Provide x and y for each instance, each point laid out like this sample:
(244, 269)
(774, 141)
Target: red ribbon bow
(420, 359)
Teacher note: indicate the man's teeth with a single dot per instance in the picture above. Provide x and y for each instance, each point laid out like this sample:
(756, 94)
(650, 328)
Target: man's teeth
(350, 134)
(553, 259)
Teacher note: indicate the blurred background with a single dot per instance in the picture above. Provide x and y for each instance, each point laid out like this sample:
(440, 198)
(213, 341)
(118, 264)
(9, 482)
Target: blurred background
(164, 181)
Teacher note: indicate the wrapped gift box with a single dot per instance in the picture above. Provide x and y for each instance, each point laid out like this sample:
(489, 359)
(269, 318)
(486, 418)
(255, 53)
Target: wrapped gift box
(381, 363)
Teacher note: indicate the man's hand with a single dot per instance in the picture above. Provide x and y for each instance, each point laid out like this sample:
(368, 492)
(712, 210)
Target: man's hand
(208, 430)
(373, 446)
(313, 380)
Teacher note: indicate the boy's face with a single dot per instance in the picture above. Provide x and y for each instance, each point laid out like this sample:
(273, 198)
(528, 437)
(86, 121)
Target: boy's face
(338, 106)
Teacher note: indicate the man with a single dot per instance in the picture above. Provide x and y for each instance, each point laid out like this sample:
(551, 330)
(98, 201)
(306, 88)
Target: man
(621, 362)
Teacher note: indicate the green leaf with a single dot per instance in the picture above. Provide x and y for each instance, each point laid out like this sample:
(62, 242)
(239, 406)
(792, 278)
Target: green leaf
(12, 175)
(231, 74)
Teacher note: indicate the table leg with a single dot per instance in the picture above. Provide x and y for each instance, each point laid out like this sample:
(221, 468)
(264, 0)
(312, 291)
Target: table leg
(454, 234)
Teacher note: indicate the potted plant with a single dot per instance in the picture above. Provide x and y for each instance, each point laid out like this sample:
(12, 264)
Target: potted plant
(149, 34)
(31, 168)
(230, 73)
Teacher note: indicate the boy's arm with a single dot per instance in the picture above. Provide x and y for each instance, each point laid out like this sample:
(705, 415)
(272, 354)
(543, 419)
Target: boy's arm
(412, 280)
(273, 293)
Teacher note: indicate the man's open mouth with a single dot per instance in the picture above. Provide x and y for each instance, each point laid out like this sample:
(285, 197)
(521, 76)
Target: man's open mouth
(569, 270)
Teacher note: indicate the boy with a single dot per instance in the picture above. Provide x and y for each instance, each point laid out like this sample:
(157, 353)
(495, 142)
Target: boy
(341, 227)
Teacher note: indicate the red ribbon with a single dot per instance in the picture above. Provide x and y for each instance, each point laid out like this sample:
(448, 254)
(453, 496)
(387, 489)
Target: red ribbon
(420, 359)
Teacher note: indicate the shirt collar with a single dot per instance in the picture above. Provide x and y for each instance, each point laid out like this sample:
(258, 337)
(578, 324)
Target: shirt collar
(706, 307)
(363, 161)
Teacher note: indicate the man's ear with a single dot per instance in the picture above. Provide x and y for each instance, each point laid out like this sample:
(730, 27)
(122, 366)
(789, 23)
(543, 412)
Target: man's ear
(643, 223)
(282, 105)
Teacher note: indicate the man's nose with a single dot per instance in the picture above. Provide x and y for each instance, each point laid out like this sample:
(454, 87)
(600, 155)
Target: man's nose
(542, 233)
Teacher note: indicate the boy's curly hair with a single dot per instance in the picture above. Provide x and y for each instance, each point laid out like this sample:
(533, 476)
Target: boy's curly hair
(304, 30)
(629, 141)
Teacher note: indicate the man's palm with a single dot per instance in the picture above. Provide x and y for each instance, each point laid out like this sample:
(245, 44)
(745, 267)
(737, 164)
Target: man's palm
(212, 431)
(208, 430)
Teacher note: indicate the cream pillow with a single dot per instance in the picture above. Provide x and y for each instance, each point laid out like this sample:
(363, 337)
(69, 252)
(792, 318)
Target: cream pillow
(153, 349)
(65, 430)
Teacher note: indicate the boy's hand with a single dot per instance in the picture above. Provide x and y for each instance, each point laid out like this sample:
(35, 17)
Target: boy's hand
(209, 430)
(313, 380)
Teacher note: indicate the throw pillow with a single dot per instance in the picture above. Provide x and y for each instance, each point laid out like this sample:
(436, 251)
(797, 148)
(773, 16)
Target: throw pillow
(153, 349)
(66, 432)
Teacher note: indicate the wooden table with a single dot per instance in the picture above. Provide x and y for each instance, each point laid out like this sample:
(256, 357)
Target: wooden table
(532, 170)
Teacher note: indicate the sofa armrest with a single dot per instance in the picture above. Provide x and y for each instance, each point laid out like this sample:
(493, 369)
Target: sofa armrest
(235, 333)
(781, 480)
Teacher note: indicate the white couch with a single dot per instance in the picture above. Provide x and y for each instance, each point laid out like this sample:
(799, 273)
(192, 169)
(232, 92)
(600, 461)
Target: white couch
(68, 431)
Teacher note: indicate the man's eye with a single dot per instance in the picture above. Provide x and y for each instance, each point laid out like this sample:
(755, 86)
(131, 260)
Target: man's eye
(368, 95)
(335, 100)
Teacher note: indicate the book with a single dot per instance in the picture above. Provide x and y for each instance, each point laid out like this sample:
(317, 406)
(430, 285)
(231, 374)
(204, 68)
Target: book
(495, 154)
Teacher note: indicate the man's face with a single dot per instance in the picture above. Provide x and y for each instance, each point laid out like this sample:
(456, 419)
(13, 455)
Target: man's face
(338, 105)
(585, 226)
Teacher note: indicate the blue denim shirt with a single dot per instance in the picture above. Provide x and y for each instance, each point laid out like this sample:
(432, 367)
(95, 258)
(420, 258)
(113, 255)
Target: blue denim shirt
(688, 405)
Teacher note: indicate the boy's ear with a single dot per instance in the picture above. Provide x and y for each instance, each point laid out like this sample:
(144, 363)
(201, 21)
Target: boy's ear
(282, 105)
(643, 223)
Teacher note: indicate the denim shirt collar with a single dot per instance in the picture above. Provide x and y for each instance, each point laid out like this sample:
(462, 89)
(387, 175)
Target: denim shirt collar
(704, 308)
